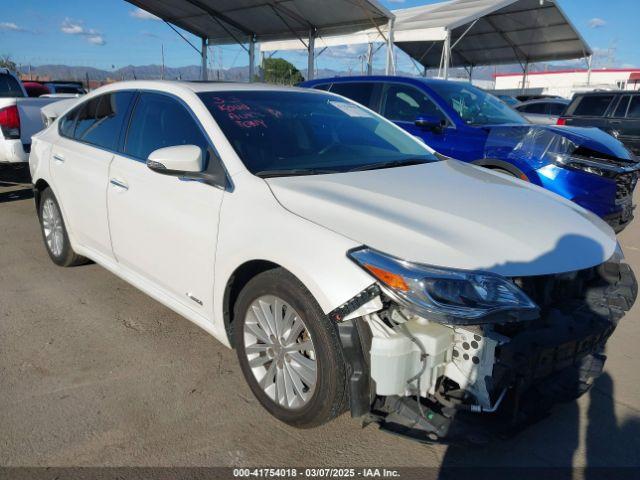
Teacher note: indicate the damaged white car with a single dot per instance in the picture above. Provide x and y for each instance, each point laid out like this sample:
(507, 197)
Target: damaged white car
(347, 265)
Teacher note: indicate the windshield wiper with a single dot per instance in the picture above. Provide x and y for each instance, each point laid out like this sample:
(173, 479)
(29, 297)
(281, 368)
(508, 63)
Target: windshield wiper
(390, 164)
(293, 172)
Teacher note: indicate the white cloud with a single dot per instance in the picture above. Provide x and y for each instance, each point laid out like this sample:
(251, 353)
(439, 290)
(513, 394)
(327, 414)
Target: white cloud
(11, 27)
(96, 39)
(141, 14)
(597, 22)
(74, 27)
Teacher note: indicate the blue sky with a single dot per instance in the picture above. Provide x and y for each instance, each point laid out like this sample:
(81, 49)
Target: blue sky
(112, 33)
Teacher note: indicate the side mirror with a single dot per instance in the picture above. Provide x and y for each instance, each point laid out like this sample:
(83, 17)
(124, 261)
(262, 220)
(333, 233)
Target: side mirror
(430, 122)
(186, 162)
(179, 161)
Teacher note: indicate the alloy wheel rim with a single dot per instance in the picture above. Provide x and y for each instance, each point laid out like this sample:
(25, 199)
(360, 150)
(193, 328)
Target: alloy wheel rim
(280, 352)
(52, 227)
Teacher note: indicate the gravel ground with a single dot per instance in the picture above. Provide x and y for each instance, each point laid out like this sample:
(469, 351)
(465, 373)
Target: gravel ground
(95, 373)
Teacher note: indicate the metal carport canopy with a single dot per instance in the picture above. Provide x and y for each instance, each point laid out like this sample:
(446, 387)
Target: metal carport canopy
(479, 32)
(222, 22)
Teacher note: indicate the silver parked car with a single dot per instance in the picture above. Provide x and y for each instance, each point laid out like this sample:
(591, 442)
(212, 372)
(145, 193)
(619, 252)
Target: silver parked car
(543, 111)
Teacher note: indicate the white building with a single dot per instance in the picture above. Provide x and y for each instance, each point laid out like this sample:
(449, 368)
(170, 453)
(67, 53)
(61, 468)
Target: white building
(567, 82)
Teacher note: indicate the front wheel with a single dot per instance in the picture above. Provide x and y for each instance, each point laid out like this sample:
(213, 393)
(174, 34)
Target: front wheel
(289, 351)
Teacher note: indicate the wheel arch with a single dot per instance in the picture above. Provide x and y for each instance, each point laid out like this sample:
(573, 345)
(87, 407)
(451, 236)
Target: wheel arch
(494, 163)
(235, 283)
(38, 187)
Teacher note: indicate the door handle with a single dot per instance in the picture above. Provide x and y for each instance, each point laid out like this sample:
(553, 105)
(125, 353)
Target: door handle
(119, 184)
(58, 158)
(615, 122)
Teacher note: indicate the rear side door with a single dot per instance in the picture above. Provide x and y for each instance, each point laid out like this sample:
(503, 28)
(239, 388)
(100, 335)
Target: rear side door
(80, 166)
(403, 104)
(164, 229)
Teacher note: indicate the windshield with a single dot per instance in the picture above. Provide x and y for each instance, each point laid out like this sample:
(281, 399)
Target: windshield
(475, 106)
(278, 133)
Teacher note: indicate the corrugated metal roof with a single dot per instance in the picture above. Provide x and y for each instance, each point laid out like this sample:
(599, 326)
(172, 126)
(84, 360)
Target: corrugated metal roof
(506, 31)
(227, 21)
(495, 32)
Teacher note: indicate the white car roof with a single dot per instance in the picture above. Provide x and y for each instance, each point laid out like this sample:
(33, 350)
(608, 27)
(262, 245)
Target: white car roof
(193, 87)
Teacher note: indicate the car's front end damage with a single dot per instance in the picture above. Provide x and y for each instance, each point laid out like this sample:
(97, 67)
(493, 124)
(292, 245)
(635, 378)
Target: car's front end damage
(585, 165)
(468, 358)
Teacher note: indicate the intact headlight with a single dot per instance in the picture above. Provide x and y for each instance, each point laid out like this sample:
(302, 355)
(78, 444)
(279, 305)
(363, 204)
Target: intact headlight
(446, 295)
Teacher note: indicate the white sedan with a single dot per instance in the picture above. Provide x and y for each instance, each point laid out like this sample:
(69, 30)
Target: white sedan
(346, 264)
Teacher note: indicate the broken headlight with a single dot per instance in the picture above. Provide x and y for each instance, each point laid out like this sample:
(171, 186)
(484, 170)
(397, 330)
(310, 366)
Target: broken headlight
(596, 166)
(446, 295)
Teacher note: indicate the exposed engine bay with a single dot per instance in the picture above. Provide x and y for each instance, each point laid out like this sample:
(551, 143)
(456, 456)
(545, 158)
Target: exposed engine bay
(435, 381)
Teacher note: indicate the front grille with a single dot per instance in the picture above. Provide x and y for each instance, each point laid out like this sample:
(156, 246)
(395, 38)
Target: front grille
(625, 184)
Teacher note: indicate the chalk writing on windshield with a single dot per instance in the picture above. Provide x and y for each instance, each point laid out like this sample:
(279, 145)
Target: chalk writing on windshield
(242, 114)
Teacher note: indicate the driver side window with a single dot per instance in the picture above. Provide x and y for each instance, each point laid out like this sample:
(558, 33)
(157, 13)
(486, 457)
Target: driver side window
(404, 103)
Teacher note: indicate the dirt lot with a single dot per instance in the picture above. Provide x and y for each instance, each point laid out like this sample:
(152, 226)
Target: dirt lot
(93, 372)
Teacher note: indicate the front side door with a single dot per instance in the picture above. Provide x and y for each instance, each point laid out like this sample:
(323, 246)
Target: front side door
(402, 104)
(164, 229)
(80, 166)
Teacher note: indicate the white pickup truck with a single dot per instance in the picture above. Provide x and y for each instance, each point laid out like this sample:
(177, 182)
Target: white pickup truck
(20, 118)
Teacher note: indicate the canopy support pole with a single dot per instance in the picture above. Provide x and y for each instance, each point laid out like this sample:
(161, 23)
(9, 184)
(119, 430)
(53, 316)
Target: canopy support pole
(311, 47)
(370, 59)
(390, 68)
(262, 66)
(525, 73)
(252, 58)
(204, 74)
(470, 73)
(589, 65)
(447, 55)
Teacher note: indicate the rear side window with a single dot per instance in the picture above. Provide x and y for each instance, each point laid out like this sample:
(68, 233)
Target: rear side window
(592, 106)
(322, 86)
(361, 92)
(67, 123)
(99, 121)
(557, 108)
(404, 103)
(160, 121)
(533, 108)
(621, 109)
(9, 86)
(634, 108)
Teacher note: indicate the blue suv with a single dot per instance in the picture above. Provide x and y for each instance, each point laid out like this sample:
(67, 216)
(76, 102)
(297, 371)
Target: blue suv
(458, 120)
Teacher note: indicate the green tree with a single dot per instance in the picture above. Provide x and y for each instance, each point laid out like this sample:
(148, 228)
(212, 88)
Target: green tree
(278, 70)
(6, 62)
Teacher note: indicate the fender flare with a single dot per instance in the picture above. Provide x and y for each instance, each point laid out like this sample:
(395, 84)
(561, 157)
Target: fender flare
(491, 163)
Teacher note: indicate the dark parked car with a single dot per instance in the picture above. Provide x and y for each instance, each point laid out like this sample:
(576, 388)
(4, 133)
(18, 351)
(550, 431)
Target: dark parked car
(617, 113)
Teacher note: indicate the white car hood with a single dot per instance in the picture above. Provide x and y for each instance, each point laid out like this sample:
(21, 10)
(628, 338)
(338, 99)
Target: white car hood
(452, 214)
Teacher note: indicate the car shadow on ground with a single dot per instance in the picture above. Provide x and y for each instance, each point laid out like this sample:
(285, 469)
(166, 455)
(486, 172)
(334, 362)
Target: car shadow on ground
(564, 435)
(15, 183)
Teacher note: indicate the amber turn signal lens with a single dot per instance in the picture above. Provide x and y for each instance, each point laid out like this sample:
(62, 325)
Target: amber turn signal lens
(392, 280)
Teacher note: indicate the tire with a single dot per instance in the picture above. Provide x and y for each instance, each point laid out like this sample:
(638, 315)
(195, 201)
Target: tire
(53, 228)
(323, 400)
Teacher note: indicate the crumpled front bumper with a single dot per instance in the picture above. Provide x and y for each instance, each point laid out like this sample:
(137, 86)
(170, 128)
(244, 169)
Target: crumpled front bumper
(552, 359)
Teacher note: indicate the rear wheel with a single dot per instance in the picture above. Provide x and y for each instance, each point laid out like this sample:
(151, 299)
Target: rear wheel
(289, 351)
(54, 232)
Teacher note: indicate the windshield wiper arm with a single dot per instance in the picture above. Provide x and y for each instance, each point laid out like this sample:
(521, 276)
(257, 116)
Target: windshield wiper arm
(390, 164)
(293, 172)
